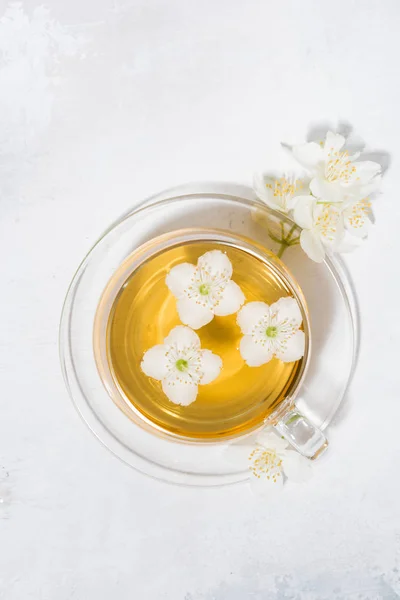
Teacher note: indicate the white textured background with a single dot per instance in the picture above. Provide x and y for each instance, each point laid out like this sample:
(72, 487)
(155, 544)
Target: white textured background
(103, 102)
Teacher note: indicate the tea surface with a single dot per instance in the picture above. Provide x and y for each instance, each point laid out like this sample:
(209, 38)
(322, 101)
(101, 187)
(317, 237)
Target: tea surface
(143, 314)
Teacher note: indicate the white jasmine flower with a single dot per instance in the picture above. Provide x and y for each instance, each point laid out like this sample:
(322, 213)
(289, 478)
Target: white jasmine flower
(337, 175)
(356, 217)
(271, 331)
(279, 193)
(322, 226)
(181, 365)
(205, 290)
(270, 460)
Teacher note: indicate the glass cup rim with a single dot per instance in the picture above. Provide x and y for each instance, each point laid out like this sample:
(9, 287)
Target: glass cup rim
(134, 261)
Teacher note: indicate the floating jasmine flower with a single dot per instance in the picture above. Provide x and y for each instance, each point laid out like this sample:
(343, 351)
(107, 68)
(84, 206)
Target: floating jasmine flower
(181, 365)
(271, 331)
(205, 290)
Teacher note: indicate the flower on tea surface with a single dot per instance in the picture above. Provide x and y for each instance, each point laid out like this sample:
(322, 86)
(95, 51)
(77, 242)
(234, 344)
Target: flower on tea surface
(271, 331)
(336, 175)
(205, 290)
(270, 460)
(279, 193)
(181, 365)
(322, 226)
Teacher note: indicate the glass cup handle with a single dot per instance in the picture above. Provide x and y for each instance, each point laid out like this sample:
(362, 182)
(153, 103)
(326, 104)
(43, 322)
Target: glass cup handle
(301, 434)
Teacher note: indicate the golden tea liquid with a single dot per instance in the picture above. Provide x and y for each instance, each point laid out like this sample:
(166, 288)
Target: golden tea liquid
(143, 314)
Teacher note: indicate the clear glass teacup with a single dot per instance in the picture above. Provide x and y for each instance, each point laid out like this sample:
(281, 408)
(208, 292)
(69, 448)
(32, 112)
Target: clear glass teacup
(246, 399)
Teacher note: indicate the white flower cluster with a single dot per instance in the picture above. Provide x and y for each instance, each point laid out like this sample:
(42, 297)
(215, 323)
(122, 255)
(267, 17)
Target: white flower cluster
(332, 205)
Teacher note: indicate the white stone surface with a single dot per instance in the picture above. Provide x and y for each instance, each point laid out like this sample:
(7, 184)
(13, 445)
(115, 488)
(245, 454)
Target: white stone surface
(102, 103)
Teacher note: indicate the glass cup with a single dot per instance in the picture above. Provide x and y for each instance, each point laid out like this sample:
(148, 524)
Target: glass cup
(299, 431)
(325, 294)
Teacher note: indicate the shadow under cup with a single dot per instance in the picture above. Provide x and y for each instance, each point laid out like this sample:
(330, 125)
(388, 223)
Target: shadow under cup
(235, 405)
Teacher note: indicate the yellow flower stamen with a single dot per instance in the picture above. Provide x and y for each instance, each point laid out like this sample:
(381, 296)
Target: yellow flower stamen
(339, 167)
(327, 222)
(282, 187)
(359, 213)
(264, 462)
